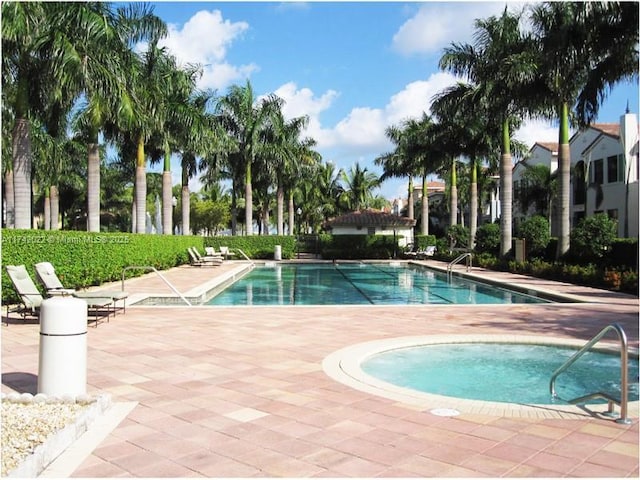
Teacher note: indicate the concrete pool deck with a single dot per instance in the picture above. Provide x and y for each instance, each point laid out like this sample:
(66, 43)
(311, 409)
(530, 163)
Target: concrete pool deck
(241, 391)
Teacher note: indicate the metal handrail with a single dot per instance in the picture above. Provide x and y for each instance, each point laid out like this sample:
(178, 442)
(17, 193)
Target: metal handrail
(624, 369)
(458, 260)
(244, 255)
(149, 267)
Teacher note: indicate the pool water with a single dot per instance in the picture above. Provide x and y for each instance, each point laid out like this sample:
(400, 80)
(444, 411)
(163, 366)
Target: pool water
(501, 372)
(359, 284)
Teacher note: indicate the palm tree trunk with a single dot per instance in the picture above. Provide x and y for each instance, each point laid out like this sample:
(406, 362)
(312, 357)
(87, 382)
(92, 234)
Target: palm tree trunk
(564, 183)
(280, 207)
(425, 206)
(186, 208)
(54, 198)
(453, 194)
(141, 189)
(22, 174)
(291, 214)
(473, 204)
(248, 198)
(265, 218)
(167, 196)
(410, 212)
(506, 191)
(47, 209)
(93, 188)
(9, 198)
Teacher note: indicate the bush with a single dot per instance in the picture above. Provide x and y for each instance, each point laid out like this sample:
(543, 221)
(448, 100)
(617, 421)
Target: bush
(357, 247)
(624, 253)
(535, 231)
(488, 238)
(256, 246)
(593, 237)
(424, 241)
(83, 259)
(458, 235)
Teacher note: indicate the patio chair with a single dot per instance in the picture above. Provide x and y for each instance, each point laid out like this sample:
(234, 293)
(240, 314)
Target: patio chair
(198, 260)
(32, 299)
(210, 253)
(46, 274)
(226, 252)
(427, 252)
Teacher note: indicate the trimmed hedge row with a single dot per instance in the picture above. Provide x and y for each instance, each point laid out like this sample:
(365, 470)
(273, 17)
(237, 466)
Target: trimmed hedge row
(358, 247)
(83, 259)
(256, 246)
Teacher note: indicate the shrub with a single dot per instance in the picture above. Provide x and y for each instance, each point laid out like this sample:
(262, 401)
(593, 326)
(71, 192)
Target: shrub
(624, 253)
(83, 259)
(488, 238)
(256, 246)
(358, 247)
(458, 235)
(593, 237)
(535, 231)
(423, 241)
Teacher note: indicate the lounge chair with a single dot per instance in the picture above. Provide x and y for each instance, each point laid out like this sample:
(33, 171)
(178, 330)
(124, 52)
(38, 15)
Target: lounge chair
(420, 254)
(46, 274)
(32, 299)
(224, 251)
(198, 260)
(210, 252)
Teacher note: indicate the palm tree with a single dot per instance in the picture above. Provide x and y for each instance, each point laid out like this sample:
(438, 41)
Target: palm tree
(359, 184)
(501, 65)
(579, 62)
(539, 190)
(245, 119)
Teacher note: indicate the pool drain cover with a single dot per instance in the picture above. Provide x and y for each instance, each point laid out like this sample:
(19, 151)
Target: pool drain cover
(444, 412)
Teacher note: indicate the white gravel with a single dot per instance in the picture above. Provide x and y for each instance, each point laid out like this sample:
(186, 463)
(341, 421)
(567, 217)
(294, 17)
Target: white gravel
(28, 421)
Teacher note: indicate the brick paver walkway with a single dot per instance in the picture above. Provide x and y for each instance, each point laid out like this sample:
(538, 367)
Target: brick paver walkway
(240, 392)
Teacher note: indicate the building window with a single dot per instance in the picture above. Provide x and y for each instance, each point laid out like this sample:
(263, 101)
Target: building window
(578, 184)
(597, 169)
(613, 214)
(612, 169)
(371, 230)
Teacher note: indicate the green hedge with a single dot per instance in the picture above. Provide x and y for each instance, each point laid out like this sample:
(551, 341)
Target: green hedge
(424, 241)
(256, 246)
(358, 247)
(83, 259)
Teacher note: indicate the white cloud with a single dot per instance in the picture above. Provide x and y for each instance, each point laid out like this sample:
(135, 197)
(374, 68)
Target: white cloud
(437, 24)
(533, 131)
(204, 39)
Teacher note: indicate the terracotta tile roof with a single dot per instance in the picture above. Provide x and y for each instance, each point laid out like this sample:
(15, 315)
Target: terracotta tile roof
(371, 218)
(551, 146)
(612, 129)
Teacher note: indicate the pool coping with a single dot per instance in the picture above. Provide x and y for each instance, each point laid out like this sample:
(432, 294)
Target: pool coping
(344, 366)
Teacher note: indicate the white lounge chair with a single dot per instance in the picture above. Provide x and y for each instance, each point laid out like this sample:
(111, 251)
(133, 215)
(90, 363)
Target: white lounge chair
(46, 274)
(32, 298)
(198, 260)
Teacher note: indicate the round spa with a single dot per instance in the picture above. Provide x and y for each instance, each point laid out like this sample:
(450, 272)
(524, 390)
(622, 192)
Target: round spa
(485, 373)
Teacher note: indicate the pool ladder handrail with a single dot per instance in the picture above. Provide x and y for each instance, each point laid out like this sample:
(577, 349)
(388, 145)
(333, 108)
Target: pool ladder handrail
(467, 255)
(624, 372)
(149, 267)
(243, 254)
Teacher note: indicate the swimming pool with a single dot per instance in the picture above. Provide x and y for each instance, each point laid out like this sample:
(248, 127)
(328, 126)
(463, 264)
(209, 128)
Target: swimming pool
(501, 372)
(360, 284)
(347, 366)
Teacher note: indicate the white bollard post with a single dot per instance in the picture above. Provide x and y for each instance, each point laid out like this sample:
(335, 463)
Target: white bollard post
(62, 367)
(277, 253)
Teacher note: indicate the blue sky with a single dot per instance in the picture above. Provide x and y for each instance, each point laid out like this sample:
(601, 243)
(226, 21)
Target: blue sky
(353, 68)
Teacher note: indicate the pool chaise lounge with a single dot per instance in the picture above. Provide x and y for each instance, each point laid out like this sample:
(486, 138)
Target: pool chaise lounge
(32, 299)
(46, 274)
(198, 260)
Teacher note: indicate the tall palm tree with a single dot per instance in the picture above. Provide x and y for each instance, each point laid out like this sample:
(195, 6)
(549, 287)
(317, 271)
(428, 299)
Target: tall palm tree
(501, 65)
(26, 73)
(359, 184)
(245, 119)
(585, 48)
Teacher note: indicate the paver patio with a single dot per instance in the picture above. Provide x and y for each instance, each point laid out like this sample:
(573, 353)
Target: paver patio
(241, 392)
